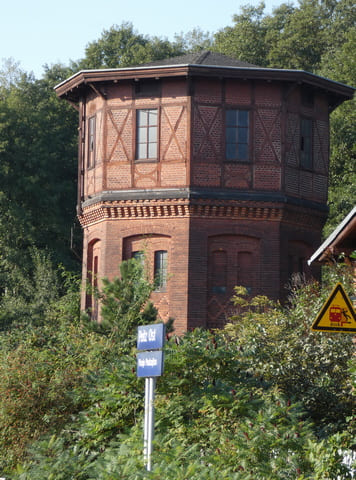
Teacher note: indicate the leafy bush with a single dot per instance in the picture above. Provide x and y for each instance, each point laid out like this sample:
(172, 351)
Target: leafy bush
(309, 367)
(213, 420)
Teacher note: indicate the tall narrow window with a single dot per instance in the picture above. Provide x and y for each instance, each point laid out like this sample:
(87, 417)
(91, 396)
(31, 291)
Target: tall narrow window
(219, 272)
(91, 302)
(246, 270)
(237, 133)
(146, 136)
(160, 270)
(91, 141)
(306, 157)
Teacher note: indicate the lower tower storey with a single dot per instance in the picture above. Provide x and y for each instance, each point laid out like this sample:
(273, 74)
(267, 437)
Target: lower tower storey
(198, 248)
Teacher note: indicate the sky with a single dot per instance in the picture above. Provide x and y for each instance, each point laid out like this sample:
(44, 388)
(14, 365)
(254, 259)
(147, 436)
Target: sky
(39, 32)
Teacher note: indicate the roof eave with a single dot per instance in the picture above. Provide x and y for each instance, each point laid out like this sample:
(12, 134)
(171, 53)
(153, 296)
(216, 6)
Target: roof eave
(333, 238)
(84, 77)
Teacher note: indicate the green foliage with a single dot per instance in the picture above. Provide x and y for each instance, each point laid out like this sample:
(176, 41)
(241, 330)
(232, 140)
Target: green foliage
(125, 302)
(246, 39)
(296, 37)
(194, 40)
(214, 419)
(309, 367)
(42, 372)
(37, 175)
(122, 46)
(31, 292)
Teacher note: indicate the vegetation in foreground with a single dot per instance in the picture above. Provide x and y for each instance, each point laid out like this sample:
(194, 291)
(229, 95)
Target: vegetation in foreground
(264, 398)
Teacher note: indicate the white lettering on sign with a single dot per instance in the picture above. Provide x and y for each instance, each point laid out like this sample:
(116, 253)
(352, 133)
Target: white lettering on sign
(152, 335)
(147, 362)
(142, 336)
(147, 335)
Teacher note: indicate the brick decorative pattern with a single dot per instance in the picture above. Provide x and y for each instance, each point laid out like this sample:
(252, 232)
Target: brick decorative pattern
(135, 209)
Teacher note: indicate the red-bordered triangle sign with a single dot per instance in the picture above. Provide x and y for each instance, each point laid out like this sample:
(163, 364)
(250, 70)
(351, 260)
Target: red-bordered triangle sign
(337, 313)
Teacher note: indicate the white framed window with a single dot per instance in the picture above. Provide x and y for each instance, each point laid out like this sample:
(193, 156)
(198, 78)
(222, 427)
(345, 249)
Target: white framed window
(160, 270)
(91, 142)
(146, 134)
(306, 148)
(237, 135)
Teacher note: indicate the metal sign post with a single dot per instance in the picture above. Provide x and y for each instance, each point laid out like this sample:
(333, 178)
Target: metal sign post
(149, 365)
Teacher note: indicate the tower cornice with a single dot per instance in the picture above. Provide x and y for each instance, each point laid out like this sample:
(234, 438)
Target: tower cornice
(276, 209)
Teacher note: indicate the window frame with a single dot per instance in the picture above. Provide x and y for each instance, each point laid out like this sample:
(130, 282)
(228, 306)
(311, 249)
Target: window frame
(160, 270)
(91, 153)
(218, 276)
(241, 139)
(146, 130)
(306, 153)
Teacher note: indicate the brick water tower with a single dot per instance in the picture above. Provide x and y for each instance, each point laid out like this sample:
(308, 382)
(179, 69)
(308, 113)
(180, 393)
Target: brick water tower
(215, 168)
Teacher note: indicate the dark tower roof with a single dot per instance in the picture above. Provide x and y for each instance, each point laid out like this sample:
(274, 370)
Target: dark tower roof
(202, 64)
(205, 57)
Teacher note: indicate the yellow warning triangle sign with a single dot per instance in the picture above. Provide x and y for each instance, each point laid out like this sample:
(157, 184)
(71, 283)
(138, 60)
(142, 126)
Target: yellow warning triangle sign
(337, 313)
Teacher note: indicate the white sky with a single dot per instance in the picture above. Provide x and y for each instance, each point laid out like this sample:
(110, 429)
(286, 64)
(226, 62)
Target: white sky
(39, 32)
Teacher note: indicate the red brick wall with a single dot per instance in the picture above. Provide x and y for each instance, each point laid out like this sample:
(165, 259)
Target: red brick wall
(260, 243)
(115, 139)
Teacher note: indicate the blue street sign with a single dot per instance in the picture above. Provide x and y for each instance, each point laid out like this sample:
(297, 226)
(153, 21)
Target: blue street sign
(150, 364)
(150, 337)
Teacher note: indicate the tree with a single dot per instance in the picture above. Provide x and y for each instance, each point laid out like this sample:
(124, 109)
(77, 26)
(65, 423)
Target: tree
(297, 37)
(122, 46)
(38, 156)
(10, 73)
(338, 63)
(125, 302)
(194, 40)
(246, 39)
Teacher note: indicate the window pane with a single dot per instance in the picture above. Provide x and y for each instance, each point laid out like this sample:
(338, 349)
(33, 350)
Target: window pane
(91, 142)
(91, 126)
(152, 150)
(160, 269)
(306, 126)
(243, 118)
(307, 144)
(231, 117)
(147, 134)
(152, 134)
(237, 134)
(142, 118)
(306, 156)
(219, 271)
(231, 151)
(242, 151)
(142, 150)
(230, 135)
(142, 135)
(242, 135)
(152, 117)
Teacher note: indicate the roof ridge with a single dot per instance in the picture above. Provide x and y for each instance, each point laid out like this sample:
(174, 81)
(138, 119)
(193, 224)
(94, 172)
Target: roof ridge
(202, 56)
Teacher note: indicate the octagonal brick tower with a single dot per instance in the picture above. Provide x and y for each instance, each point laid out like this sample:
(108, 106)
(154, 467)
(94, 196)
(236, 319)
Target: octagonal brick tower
(216, 169)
